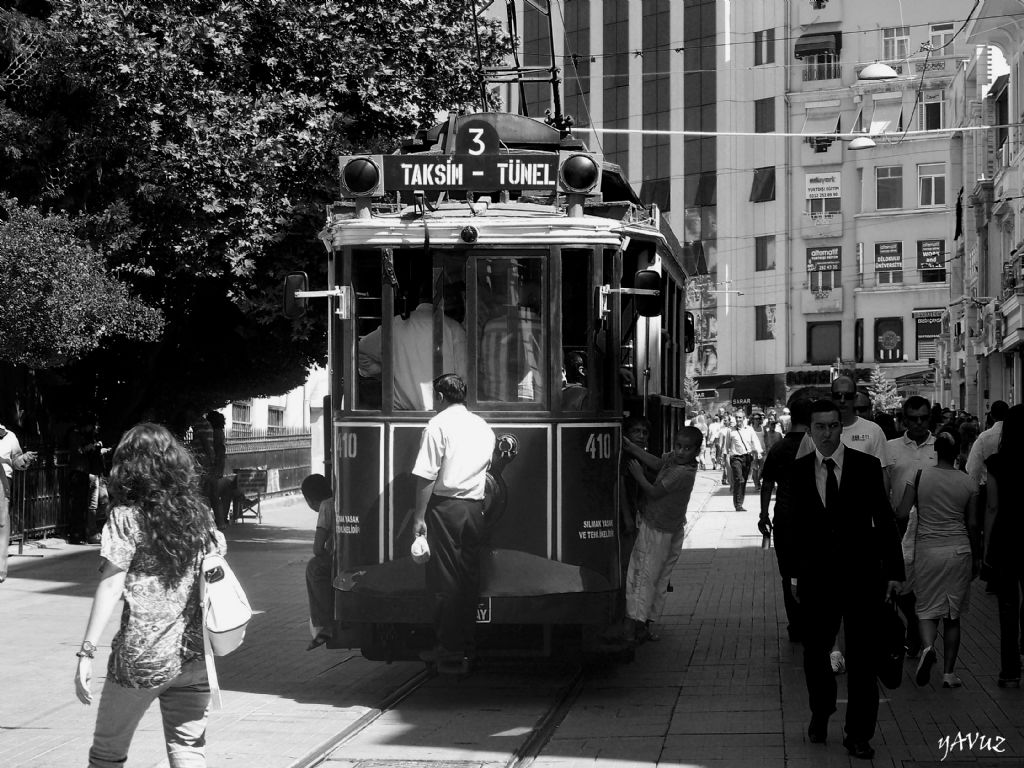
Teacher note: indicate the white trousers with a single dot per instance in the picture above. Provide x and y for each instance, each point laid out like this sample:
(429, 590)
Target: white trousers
(650, 567)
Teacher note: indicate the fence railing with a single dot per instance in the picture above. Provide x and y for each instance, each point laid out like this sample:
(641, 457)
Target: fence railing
(40, 502)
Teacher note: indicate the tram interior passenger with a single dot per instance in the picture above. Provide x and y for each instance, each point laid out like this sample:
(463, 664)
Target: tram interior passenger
(412, 342)
(511, 327)
(575, 396)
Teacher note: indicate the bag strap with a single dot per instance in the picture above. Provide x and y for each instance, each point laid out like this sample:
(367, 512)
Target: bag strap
(211, 666)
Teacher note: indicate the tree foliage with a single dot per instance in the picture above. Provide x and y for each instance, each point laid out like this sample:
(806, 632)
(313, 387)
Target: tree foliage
(882, 391)
(59, 301)
(194, 144)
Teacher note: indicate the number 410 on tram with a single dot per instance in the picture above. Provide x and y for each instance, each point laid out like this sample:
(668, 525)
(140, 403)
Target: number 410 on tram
(495, 247)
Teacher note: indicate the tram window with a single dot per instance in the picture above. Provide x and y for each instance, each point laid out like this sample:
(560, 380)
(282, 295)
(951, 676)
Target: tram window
(511, 329)
(413, 341)
(577, 391)
(366, 272)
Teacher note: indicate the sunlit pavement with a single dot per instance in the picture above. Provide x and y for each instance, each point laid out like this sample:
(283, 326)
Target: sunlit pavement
(723, 687)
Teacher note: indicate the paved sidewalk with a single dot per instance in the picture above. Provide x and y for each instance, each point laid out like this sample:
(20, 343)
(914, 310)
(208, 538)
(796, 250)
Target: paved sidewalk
(279, 701)
(722, 689)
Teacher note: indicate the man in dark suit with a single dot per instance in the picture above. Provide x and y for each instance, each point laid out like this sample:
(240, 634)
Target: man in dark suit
(847, 558)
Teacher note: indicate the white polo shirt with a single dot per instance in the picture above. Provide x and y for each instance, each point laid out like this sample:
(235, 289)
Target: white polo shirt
(908, 457)
(455, 451)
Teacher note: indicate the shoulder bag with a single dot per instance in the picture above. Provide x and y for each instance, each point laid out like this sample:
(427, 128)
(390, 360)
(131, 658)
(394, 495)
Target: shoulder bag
(909, 543)
(226, 612)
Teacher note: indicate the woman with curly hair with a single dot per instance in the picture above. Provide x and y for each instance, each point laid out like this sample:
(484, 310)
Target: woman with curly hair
(157, 531)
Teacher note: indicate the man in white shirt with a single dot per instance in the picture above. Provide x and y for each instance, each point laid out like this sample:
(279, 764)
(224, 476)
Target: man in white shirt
(412, 353)
(910, 453)
(858, 433)
(11, 458)
(742, 447)
(451, 474)
(986, 444)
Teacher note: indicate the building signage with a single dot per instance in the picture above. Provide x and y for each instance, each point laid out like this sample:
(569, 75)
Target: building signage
(888, 257)
(931, 254)
(888, 339)
(825, 259)
(471, 172)
(821, 185)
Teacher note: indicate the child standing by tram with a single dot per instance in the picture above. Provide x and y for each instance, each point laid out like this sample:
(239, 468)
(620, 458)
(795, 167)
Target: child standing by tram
(661, 529)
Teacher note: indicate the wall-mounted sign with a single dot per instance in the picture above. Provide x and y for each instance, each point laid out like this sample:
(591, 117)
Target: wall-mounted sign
(825, 259)
(888, 256)
(888, 339)
(821, 185)
(931, 254)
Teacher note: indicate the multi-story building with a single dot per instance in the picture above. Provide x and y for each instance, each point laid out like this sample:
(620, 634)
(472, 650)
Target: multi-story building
(982, 349)
(808, 251)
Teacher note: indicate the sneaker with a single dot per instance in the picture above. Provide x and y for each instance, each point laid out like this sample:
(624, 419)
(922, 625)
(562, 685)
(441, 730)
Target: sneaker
(951, 680)
(838, 662)
(924, 666)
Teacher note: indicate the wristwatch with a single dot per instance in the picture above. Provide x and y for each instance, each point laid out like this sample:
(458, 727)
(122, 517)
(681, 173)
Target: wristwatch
(88, 650)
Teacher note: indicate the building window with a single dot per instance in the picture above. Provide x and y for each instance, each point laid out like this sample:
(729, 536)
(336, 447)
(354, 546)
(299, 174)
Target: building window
(764, 47)
(824, 207)
(764, 322)
(895, 43)
(889, 263)
(764, 253)
(928, 327)
(822, 66)
(889, 186)
(823, 342)
(275, 420)
(888, 339)
(825, 280)
(764, 115)
(931, 112)
(931, 260)
(932, 184)
(940, 35)
(241, 418)
(763, 188)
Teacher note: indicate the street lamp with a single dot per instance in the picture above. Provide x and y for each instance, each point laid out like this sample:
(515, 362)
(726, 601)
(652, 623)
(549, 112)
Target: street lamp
(861, 142)
(877, 71)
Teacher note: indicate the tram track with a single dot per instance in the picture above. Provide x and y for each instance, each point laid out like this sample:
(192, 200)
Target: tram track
(522, 756)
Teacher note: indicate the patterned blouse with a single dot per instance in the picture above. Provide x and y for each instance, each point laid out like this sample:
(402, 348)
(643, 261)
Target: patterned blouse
(161, 628)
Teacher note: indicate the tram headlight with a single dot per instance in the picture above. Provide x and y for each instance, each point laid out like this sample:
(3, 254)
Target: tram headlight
(469, 234)
(579, 173)
(362, 176)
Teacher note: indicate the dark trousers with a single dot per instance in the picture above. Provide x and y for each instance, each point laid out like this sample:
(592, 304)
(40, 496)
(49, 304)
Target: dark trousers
(858, 611)
(1009, 584)
(84, 500)
(793, 617)
(454, 531)
(740, 472)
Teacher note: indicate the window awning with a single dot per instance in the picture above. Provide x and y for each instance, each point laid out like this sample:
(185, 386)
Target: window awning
(817, 123)
(809, 45)
(886, 116)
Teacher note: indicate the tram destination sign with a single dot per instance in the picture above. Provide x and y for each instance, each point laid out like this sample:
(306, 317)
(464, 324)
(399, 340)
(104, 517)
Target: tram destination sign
(482, 172)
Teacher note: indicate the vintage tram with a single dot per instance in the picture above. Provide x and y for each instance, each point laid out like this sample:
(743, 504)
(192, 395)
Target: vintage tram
(530, 268)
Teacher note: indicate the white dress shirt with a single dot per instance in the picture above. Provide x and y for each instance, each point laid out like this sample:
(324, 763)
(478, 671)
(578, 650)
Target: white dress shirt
(986, 444)
(821, 472)
(455, 452)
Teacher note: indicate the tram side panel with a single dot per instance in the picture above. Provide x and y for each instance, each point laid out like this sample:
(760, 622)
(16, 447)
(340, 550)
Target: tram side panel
(552, 554)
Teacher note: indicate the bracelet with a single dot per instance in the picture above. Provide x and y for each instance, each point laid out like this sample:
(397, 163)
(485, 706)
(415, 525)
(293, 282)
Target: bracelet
(87, 651)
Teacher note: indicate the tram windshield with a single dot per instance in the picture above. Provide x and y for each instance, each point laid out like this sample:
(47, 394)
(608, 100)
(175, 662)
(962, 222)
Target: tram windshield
(484, 314)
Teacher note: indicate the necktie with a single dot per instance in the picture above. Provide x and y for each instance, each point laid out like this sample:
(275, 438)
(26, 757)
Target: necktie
(831, 485)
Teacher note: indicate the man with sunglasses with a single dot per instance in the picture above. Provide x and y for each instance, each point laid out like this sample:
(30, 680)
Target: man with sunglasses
(859, 433)
(911, 452)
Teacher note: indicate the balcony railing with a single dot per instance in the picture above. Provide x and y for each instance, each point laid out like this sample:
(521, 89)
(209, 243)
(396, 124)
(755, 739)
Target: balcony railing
(1013, 277)
(827, 70)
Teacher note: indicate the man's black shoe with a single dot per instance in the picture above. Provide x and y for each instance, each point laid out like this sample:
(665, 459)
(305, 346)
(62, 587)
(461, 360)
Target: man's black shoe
(859, 749)
(817, 731)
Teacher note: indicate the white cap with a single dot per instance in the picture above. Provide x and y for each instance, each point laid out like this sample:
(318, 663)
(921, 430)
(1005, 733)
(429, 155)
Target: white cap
(420, 550)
